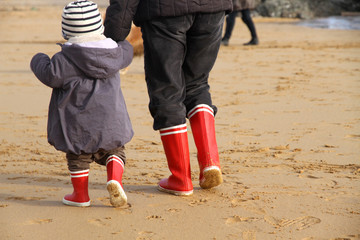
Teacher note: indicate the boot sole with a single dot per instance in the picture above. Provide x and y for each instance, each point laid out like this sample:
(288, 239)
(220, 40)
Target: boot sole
(76, 204)
(174, 192)
(117, 194)
(212, 177)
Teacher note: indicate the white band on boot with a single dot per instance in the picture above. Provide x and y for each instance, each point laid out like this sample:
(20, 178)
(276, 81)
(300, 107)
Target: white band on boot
(200, 108)
(173, 130)
(77, 174)
(116, 159)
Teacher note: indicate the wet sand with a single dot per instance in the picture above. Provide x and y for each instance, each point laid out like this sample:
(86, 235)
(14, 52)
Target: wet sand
(288, 135)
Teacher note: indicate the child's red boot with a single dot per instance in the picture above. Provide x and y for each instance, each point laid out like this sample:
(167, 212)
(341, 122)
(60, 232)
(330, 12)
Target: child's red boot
(115, 170)
(80, 196)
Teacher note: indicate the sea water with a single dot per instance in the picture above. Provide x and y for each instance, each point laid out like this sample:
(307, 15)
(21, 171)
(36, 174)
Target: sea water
(334, 22)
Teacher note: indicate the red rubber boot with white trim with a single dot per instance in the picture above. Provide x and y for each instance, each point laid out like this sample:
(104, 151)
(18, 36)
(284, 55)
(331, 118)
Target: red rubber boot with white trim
(80, 196)
(115, 170)
(203, 128)
(176, 149)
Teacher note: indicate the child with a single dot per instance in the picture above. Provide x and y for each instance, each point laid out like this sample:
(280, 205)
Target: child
(88, 119)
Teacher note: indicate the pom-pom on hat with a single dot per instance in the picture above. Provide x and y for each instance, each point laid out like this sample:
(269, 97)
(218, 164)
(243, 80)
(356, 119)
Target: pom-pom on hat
(81, 18)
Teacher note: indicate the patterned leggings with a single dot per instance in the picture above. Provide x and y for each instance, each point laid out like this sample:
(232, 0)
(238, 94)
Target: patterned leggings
(82, 161)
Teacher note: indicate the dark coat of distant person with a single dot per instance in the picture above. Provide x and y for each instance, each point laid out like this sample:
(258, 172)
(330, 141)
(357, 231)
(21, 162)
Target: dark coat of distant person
(243, 4)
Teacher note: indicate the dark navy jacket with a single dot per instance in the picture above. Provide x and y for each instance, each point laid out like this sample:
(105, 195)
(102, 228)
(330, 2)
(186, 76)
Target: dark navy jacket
(121, 13)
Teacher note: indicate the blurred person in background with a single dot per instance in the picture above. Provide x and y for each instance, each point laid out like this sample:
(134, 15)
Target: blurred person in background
(244, 7)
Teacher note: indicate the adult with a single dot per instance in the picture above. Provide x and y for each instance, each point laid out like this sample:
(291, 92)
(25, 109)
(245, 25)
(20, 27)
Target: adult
(244, 7)
(181, 42)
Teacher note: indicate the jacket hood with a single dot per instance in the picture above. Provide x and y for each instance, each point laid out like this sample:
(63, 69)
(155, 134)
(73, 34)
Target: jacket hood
(96, 63)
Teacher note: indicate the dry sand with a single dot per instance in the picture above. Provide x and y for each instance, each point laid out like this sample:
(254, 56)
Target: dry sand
(288, 134)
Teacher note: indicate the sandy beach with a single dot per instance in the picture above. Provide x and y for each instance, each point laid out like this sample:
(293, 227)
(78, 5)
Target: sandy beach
(288, 130)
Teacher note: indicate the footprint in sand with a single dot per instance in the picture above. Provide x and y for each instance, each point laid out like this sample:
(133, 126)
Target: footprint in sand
(16, 178)
(39, 221)
(118, 232)
(173, 210)
(281, 147)
(237, 219)
(300, 222)
(356, 136)
(25, 198)
(143, 235)
(348, 237)
(105, 201)
(126, 209)
(249, 235)
(100, 222)
(237, 202)
(198, 202)
(154, 217)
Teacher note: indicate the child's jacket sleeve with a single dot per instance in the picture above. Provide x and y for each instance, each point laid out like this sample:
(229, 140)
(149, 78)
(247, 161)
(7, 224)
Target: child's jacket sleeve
(127, 54)
(47, 70)
(119, 16)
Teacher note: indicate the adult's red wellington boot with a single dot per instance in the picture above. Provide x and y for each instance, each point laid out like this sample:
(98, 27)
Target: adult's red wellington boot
(203, 128)
(176, 147)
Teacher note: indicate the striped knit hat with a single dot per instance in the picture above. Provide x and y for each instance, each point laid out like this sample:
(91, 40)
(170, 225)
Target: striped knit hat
(81, 18)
